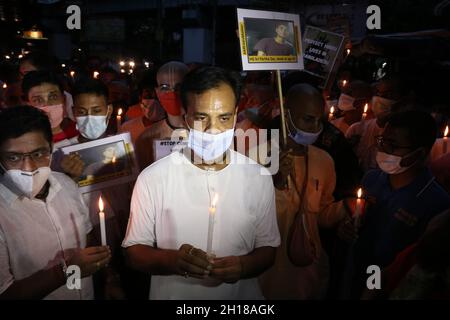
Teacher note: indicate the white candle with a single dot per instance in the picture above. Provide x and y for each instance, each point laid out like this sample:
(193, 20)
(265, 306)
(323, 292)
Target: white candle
(331, 114)
(444, 142)
(72, 74)
(101, 216)
(96, 73)
(212, 215)
(358, 209)
(364, 115)
(119, 118)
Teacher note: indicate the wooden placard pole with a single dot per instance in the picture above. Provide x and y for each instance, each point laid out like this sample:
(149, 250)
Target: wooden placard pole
(282, 113)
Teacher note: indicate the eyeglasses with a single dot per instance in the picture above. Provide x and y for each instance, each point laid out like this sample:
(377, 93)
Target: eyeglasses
(166, 87)
(389, 146)
(14, 159)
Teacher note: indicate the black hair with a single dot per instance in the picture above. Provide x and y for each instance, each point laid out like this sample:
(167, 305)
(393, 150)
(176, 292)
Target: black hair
(148, 81)
(90, 86)
(41, 60)
(35, 78)
(202, 79)
(17, 121)
(420, 125)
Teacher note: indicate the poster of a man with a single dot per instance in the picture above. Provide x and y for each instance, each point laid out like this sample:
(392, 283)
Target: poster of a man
(109, 161)
(279, 45)
(270, 40)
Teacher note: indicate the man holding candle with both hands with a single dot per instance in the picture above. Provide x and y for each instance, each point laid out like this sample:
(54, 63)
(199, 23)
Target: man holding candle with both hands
(174, 199)
(44, 223)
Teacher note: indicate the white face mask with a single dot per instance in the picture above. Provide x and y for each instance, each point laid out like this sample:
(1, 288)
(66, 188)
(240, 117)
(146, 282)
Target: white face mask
(92, 127)
(28, 183)
(210, 146)
(345, 102)
(303, 137)
(390, 163)
(380, 105)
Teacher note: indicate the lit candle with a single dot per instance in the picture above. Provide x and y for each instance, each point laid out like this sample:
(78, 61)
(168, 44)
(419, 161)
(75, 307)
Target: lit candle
(132, 64)
(5, 86)
(348, 51)
(130, 71)
(96, 73)
(344, 83)
(101, 216)
(122, 70)
(119, 118)
(122, 63)
(331, 114)
(444, 142)
(358, 208)
(364, 115)
(212, 214)
(72, 74)
(147, 64)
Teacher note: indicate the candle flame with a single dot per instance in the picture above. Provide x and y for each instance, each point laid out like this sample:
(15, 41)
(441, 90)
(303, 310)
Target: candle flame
(96, 73)
(119, 112)
(72, 73)
(348, 51)
(113, 159)
(344, 83)
(332, 110)
(5, 86)
(446, 132)
(122, 63)
(366, 107)
(359, 193)
(100, 204)
(214, 201)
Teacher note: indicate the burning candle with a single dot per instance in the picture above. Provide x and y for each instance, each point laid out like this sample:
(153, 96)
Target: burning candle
(348, 51)
(358, 208)
(211, 214)
(132, 64)
(101, 216)
(72, 74)
(364, 115)
(444, 142)
(331, 114)
(5, 86)
(344, 83)
(119, 118)
(122, 70)
(96, 73)
(122, 63)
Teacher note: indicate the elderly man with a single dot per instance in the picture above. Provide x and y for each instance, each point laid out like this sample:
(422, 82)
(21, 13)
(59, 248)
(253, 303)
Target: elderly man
(169, 78)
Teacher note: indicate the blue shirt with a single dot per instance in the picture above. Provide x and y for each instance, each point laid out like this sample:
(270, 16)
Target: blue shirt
(398, 218)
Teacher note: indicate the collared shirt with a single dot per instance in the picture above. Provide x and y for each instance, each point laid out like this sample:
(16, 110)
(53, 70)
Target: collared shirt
(398, 217)
(170, 205)
(36, 235)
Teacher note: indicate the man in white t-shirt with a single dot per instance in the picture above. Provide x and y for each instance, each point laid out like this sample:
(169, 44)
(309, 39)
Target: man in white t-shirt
(167, 233)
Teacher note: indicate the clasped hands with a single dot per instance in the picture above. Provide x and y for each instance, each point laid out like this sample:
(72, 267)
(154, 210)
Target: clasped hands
(194, 262)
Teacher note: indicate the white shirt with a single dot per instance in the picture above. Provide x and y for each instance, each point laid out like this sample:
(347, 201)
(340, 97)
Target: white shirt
(169, 208)
(34, 233)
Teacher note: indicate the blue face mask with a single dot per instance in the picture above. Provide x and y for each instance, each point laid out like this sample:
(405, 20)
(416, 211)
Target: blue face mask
(303, 137)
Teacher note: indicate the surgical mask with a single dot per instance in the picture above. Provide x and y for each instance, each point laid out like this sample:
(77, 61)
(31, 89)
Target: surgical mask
(171, 102)
(380, 105)
(92, 127)
(303, 137)
(210, 146)
(390, 163)
(55, 114)
(345, 102)
(29, 184)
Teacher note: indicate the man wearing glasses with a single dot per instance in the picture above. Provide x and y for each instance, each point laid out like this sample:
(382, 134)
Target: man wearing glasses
(403, 195)
(44, 223)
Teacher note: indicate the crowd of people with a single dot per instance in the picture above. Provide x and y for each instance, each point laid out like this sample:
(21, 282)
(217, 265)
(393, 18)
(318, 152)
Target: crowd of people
(366, 185)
